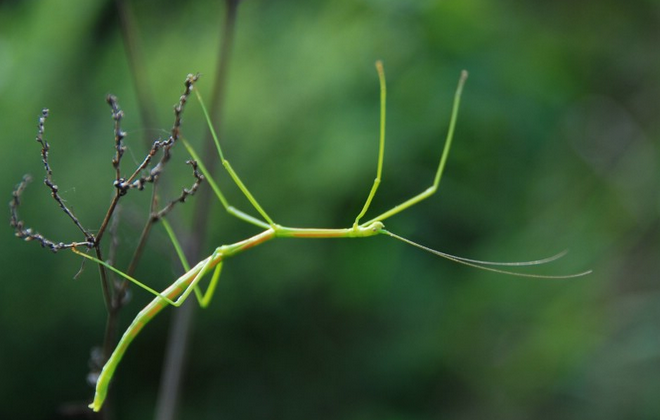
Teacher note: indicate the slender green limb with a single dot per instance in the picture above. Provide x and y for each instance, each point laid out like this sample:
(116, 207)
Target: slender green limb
(214, 260)
(228, 167)
(381, 143)
(175, 242)
(210, 125)
(205, 298)
(126, 276)
(198, 271)
(247, 192)
(230, 209)
(443, 159)
(202, 298)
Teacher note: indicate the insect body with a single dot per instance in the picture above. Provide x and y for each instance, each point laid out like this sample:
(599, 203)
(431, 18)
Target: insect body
(188, 283)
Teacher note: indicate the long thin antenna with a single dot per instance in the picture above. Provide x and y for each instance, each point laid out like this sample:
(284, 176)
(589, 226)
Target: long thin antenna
(483, 265)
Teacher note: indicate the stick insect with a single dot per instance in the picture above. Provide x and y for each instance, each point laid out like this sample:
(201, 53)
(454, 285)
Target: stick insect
(177, 293)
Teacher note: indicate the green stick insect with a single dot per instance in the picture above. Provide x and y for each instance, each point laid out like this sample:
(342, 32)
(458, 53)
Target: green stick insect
(189, 282)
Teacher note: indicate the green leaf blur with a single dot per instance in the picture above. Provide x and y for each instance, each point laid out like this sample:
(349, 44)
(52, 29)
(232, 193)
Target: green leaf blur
(556, 147)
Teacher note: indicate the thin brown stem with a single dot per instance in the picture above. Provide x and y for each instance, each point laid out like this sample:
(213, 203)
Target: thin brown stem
(28, 234)
(48, 179)
(135, 57)
(168, 394)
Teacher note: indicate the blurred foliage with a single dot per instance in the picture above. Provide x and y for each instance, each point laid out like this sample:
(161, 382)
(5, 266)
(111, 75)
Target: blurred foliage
(556, 147)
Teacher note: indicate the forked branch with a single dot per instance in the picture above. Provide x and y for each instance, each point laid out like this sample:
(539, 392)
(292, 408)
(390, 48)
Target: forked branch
(114, 292)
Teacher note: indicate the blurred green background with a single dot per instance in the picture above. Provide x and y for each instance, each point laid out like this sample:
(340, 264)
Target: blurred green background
(556, 147)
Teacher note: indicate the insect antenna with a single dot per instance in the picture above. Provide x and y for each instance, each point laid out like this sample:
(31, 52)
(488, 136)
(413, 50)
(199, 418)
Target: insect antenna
(487, 265)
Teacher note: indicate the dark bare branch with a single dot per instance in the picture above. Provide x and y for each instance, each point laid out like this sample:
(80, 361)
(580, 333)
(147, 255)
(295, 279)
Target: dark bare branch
(135, 181)
(48, 180)
(117, 115)
(185, 193)
(29, 234)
